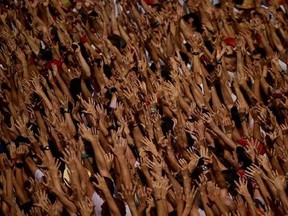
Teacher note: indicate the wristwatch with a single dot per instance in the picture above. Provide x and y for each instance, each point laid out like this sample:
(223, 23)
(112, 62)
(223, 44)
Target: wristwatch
(46, 148)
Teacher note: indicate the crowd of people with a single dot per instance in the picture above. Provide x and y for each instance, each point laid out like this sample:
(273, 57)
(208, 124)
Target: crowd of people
(143, 107)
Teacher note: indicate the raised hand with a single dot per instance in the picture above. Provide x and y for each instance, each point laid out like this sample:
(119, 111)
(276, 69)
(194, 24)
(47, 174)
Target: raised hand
(183, 165)
(202, 183)
(277, 180)
(284, 128)
(213, 192)
(89, 107)
(101, 111)
(204, 153)
(109, 158)
(150, 146)
(85, 206)
(189, 199)
(142, 194)
(87, 133)
(131, 96)
(242, 187)
(193, 159)
(240, 206)
(264, 161)
(69, 157)
(119, 110)
(100, 184)
(160, 188)
(254, 172)
(120, 146)
(207, 118)
(156, 166)
(128, 193)
(43, 202)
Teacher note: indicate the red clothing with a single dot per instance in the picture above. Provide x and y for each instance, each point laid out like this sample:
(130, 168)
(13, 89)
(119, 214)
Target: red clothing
(230, 41)
(243, 142)
(57, 62)
(149, 2)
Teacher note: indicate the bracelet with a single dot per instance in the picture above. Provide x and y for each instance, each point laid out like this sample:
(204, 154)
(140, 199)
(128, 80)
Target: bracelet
(228, 131)
(159, 199)
(195, 53)
(45, 148)
(243, 118)
(153, 110)
(19, 165)
(85, 156)
(65, 110)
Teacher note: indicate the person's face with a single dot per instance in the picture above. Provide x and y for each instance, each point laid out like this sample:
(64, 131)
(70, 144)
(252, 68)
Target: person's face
(190, 21)
(256, 58)
(168, 6)
(231, 63)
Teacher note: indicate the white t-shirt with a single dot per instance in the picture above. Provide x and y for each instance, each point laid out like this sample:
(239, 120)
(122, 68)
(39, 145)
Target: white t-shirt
(97, 202)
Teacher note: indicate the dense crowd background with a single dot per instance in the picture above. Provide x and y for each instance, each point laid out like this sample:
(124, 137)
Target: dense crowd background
(137, 107)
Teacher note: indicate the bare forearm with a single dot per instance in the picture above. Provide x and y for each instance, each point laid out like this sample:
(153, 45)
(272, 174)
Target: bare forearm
(100, 160)
(111, 203)
(84, 65)
(251, 205)
(64, 88)
(225, 138)
(124, 171)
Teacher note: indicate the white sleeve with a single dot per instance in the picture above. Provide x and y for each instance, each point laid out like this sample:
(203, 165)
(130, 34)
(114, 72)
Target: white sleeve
(127, 209)
(97, 202)
(38, 175)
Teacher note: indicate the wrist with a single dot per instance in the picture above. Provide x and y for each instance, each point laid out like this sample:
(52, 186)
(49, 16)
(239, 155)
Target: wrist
(130, 202)
(120, 156)
(19, 165)
(243, 118)
(45, 148)
(195, 52)
(85, 156)
(158, 199)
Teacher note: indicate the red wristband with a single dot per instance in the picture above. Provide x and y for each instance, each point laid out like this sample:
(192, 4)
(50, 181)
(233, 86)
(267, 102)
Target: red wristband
(13, 160)
(83, 39)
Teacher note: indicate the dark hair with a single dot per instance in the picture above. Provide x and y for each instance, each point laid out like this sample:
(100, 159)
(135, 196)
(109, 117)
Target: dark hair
(196, 21)
(54, 35)
(238, 2)
(243, 157)
(167, 125)
(22, 139)
(75, 87)
(107, 71)
(231, 176)
(46, 54)
(260, 51)
(235, 117)
(117, 41)
(184, 57)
